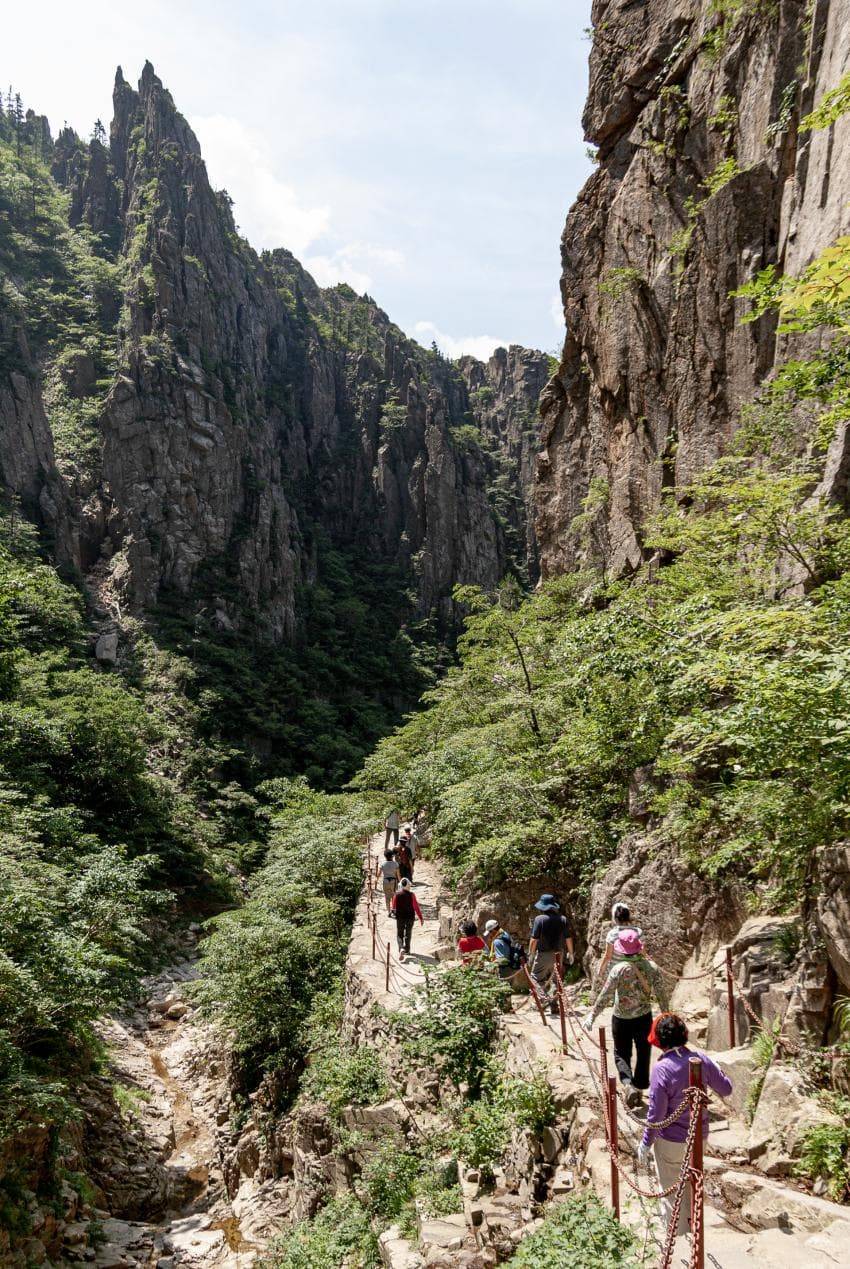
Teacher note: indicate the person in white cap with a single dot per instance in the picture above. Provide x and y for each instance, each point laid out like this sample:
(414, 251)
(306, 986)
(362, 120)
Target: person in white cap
(499, 949)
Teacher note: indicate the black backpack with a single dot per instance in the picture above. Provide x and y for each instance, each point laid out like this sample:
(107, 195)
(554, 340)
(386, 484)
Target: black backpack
(516, 955)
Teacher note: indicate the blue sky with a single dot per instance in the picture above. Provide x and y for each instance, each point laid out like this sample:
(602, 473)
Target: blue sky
(424, 150)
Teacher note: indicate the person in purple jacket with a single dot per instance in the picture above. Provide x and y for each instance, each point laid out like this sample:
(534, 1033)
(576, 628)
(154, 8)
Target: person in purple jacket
(670, 1078)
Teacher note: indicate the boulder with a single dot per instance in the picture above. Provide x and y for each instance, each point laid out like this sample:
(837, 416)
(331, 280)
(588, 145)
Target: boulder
(106, 648)
(397, 1252)
(694, 919)
(739, 1065)
(784, 1115)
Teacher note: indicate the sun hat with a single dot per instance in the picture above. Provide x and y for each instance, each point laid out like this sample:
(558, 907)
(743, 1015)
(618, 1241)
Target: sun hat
(490, 926)
(547, 903)
(628, 944)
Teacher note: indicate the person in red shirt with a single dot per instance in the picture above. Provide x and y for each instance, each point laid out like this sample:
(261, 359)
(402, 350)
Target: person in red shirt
(470, 944)
(405, 908)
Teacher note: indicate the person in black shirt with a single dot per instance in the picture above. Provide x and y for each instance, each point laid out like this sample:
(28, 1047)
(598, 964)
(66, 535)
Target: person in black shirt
(551, 940)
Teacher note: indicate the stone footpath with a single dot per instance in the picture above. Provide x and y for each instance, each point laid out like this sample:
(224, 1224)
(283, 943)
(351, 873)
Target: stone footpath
(753, 1220)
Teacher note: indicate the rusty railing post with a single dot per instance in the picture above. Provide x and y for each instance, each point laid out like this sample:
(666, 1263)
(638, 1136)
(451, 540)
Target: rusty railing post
(559, 983)
(730, 997)
(697, 1188)
(387, 974)
(611, 1094)
(374, 924)
(532, 987)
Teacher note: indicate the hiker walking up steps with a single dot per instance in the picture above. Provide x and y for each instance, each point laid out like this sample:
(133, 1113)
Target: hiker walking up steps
(388, 872)
(405, 908)
(667, 1088)
(391, 826)
(550, 936)
(632, 982)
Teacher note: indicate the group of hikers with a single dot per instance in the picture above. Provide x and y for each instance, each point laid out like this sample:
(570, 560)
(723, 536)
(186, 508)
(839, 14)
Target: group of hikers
(629, 981)
(395, 872)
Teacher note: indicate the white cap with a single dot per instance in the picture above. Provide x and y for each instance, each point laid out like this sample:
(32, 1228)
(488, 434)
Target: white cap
(491, 925)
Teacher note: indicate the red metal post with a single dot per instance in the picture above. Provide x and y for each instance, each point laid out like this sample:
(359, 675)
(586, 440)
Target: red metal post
(730, 997)
(387, 975)
(532, 987)
(374, 934)
(603, 1058)
(611, 1094)
(697, 1191)
(559, 983)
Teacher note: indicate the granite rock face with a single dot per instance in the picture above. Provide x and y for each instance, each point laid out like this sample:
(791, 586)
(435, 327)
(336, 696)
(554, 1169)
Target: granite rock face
(247, 412)
(684, 104)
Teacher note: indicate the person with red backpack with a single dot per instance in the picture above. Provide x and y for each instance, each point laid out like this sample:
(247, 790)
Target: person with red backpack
(405, 908)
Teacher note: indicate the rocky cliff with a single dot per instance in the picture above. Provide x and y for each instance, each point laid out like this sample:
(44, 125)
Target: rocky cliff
(703, 179)
(233, 410)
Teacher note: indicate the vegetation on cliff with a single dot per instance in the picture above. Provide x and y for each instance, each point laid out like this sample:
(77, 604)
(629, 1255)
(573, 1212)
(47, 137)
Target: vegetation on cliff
(719, 671)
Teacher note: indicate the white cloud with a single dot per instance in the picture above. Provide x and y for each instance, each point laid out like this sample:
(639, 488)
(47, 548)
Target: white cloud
(480, 346)
(557, 310)
(350, 262)
(266, 208)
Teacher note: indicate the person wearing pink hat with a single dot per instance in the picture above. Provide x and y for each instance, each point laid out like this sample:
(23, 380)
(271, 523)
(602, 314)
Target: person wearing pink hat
(632, 982)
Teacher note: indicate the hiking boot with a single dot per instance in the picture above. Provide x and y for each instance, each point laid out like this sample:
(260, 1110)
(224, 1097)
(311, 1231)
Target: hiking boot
(633, 1095)
(553, 1008)
(401, 953)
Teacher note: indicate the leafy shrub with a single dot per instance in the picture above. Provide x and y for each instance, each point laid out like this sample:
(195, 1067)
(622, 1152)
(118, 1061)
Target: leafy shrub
(267, 962)
(452, 1024)
(825, 1155)
(505, 1102)
(579, 1233)
(388, 1180)
(341, 1233)
(340, 1075)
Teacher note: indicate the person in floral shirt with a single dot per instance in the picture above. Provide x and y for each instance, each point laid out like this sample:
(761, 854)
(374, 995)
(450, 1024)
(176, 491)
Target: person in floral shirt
(632, 982)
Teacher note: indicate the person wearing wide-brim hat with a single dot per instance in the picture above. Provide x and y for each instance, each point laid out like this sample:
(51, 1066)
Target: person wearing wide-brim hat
(632, 982)
(551, 938)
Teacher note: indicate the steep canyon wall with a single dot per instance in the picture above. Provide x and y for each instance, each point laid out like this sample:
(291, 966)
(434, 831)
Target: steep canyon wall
(703, 179)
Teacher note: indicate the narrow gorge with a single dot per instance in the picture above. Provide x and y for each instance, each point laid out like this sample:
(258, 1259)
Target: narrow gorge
(270, 569)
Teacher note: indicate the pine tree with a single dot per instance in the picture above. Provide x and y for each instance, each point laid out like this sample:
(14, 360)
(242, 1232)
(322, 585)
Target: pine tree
(99, 132)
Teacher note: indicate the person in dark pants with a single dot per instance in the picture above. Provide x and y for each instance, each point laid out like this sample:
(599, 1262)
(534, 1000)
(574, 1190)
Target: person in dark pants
(551, 940)
(632, 982)
(405, 908)
(405, 861)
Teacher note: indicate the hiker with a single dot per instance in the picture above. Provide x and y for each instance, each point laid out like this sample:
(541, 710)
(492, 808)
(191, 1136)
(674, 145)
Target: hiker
(550, 936)
(391, 827)
(670, 1078)
(632, 982)
(405, 861)
(405, 908)
(621, 918)
(470, 945)
(504, 955)
(388, 872)
(406, 840)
